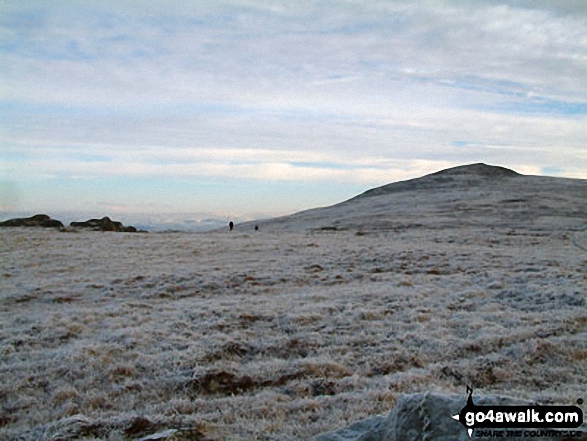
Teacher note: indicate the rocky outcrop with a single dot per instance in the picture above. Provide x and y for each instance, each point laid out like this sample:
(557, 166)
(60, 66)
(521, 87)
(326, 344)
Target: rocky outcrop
(104, 224)
(44, 221)
(38, 220)
(426, 417)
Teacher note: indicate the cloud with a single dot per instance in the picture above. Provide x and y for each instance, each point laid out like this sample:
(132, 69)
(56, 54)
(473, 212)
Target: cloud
(225, 164)
(329, 92)
(252, 56)
(292, 149)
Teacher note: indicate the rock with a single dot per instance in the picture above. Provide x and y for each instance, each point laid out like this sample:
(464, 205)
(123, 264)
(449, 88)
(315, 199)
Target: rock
(104, 224)
(38, 220)
(422, 417)
(160, 436)
(44, 221)
(52, 223)
(192, 434)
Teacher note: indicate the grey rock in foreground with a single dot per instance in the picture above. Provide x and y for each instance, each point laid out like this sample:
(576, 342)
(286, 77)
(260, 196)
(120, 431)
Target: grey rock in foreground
(425, 417)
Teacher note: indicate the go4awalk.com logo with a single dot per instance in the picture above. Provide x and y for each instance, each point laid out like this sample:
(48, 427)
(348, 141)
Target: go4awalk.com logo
(473, 417)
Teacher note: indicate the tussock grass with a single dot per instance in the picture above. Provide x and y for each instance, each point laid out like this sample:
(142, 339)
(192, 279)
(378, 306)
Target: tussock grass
(272, 336)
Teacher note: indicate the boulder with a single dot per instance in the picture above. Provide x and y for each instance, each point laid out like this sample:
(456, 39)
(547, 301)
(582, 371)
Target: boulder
(104, 224)
(38, 220)
(426, 417)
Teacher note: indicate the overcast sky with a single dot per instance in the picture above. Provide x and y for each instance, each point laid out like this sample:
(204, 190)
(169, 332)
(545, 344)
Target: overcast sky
(249, 107)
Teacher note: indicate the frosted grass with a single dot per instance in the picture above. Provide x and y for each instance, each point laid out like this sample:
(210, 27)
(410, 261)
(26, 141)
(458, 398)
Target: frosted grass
(278, 335)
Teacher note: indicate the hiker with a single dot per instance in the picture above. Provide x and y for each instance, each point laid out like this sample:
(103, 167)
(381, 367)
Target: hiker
(256, 227)
(230, 225)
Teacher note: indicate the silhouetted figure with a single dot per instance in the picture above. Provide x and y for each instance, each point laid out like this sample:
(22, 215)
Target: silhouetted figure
(256, 227)
(230, 225)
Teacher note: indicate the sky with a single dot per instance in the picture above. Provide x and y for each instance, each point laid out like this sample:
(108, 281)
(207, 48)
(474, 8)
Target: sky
(253, 108)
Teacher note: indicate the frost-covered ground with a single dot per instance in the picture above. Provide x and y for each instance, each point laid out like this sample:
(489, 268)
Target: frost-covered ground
(280, 335)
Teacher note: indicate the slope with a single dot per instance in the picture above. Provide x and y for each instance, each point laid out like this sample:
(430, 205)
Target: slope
(470, 195)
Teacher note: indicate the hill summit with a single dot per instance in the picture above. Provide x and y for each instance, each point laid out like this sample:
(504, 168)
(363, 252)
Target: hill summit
(469, 195)
(478, 169)
(468, 175)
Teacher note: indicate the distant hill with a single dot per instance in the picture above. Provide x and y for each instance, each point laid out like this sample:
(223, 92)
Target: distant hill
(468, 195)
